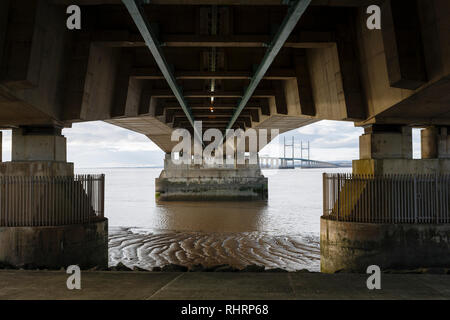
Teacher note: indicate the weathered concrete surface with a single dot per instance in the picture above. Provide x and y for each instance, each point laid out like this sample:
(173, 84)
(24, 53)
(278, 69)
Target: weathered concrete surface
(36, 168)
(208, 286)
(429, 145)
(401, 166)
(37, 147)
(54, 247)
(337, 69)
(390, 143)
(354, 246)
(196, 189)
(435, 143)
(387, 149)
(184, 182)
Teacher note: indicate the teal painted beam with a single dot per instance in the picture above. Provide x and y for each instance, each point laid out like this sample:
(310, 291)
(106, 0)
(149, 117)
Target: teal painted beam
(290, 21)
(137, 13)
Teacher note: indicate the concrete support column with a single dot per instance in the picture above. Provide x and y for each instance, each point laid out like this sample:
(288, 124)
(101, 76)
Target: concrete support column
(185, 182)
(37, 151)
(386, 142)
(435, 143)
(385, 149)
(429, 142)
(41, 151)
(443, 143)
(352, 246)
(38, 144)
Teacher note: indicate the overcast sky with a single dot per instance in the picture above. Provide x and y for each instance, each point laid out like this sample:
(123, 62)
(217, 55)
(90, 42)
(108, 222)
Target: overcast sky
(99, 144)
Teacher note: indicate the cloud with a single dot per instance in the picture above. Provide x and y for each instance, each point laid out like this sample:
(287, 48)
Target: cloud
(100, 144)
(416, 143)
(6, 145)
(107, 136)
(328, 140)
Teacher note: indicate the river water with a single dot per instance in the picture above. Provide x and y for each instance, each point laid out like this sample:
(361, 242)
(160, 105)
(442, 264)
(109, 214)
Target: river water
(280, 233)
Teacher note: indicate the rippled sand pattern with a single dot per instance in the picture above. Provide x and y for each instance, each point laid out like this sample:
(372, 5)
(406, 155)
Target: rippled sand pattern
(281, 232)
(145, 249)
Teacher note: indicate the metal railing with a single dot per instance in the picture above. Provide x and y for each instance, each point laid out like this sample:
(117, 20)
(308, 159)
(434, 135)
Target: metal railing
(387, 199)
(51, 201)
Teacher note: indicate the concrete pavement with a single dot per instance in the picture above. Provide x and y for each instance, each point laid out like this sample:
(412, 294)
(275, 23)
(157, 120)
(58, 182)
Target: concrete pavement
(18, 284)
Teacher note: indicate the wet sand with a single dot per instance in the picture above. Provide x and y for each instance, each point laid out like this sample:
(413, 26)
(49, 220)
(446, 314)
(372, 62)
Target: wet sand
(282, 232)
(145, 249)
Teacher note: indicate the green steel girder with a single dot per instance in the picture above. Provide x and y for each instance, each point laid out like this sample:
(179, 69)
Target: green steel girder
(137, 13)
(294, 14)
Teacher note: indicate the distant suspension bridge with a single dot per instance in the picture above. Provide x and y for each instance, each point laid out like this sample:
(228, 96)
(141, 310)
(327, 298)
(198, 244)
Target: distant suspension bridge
(292, 162)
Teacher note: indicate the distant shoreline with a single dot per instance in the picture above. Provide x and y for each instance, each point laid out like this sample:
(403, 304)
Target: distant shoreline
(343, 164)
(138, 167)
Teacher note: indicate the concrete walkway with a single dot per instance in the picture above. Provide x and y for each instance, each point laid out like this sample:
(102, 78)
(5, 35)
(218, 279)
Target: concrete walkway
(192, 286)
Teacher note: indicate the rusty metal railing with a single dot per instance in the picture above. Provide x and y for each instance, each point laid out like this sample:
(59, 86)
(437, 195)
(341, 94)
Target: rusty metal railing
(387, 199)
(51, 201)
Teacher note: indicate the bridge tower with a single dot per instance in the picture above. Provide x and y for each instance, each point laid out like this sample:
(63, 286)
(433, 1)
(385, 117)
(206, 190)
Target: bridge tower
(286, 162)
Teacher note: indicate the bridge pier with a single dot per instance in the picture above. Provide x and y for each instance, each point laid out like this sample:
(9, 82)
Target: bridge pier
(393, 211)
(388, 150)
(49, 218)
(186, 182)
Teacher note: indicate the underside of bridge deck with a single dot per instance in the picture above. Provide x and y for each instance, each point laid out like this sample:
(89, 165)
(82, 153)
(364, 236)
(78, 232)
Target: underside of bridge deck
(154, 66)
(105, 71)
(328, 66)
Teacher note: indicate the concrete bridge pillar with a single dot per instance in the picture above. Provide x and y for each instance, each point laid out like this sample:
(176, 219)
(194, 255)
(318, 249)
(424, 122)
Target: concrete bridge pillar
(38, 144)
(384, 149)
(363, 232)
(429, 143)
(386, 142)
(37, 151)
(435, 141)
(387, 149)
(185, 182)
(42, 225)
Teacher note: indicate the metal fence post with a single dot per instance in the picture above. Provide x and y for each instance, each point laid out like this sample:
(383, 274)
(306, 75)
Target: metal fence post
(437, 198)
(324, 192)
(102, 196)
(415, 199)
(338, 196)
(391, 199)
(50, 201)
